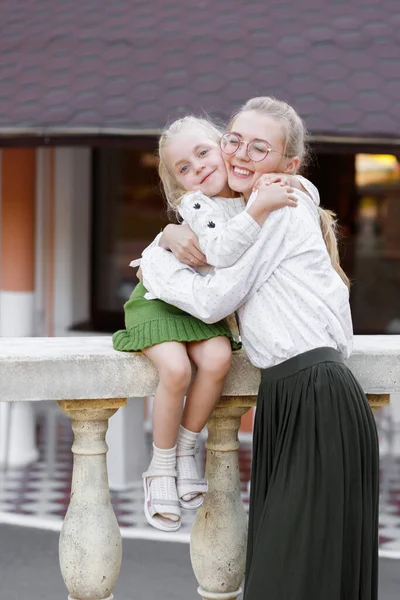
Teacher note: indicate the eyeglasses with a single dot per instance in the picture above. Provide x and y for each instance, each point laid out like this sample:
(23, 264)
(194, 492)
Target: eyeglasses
(256, 149)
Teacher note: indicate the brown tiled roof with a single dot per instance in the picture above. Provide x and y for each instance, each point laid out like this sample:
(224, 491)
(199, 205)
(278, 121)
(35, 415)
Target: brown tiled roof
(117, 64)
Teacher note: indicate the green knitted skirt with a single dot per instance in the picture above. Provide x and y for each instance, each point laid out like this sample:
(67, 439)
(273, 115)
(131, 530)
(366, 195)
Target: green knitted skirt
(151, 322)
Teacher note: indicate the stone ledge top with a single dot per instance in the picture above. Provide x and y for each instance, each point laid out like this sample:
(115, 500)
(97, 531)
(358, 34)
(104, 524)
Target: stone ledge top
(72, 368)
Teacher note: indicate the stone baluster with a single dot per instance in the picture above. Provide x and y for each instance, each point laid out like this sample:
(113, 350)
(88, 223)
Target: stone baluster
(90, 545)
(219, 534)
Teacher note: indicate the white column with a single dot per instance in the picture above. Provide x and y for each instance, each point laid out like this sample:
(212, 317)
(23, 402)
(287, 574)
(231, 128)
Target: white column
(17, 185)
(67, 281)
(16, 320)
(127, 458)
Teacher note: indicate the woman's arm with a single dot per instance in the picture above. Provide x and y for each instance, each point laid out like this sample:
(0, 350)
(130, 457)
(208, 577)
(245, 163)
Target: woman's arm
(218, 294)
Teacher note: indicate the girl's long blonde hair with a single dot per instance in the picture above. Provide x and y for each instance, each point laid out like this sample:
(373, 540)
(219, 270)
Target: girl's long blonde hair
(296, 144)
(173, 191)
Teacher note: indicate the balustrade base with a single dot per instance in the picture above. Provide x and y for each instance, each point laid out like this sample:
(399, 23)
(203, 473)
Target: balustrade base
(219, 596)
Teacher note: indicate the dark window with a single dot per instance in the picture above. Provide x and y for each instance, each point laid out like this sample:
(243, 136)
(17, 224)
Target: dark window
(364, 191)
(128, 212)
(376, 294)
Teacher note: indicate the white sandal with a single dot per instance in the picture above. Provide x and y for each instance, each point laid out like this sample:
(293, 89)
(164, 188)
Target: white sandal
(161, 499)
(191, 488)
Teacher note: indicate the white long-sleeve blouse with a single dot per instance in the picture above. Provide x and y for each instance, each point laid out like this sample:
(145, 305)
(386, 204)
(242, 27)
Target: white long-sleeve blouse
(288, 296)
(223, 227)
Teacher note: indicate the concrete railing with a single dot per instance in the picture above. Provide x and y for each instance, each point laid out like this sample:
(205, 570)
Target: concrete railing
(91, 382)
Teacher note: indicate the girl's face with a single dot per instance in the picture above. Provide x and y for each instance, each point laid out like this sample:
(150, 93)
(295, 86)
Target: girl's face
(197, 164)
(242, 171)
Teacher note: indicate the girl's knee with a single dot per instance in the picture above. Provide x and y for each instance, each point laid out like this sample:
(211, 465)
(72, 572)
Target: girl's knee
(173, 365)
(216, 359)
(176, 375)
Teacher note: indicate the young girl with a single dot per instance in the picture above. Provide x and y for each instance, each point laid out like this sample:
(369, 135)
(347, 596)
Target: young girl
(313, 521)
(190, 161)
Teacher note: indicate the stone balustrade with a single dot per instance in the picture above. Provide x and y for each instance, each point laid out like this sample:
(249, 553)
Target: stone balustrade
(91, 382)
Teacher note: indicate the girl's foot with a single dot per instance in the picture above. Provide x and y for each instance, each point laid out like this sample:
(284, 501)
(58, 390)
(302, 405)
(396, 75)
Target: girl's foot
(161, 504)
(191, 488)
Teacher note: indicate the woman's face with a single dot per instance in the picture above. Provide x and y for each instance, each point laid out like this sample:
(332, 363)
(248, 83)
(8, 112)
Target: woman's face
(243, 172)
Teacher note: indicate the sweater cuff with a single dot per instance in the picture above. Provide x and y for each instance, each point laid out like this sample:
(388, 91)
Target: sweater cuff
(249, 226)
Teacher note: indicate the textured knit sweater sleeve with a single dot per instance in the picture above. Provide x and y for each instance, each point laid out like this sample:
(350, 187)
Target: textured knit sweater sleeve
(223, 242)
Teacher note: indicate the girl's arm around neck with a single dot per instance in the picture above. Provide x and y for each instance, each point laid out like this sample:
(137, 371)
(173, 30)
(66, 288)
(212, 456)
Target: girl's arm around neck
(268, 198)
(222, 240)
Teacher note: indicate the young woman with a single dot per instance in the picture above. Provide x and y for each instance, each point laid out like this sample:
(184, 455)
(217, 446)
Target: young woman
(313, 524)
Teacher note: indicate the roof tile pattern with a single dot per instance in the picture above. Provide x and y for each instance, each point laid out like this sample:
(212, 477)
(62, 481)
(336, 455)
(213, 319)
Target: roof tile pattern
(139, 63)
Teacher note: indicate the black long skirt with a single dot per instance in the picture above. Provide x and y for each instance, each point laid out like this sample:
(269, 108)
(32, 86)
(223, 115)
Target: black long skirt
(313, 522)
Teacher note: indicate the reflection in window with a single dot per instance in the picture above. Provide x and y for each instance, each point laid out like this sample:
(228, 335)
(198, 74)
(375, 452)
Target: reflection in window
(376, 293)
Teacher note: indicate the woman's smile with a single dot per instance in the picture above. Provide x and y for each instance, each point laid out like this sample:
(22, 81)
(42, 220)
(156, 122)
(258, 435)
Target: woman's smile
(241, 172)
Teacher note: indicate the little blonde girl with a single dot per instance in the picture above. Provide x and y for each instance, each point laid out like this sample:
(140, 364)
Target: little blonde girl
(194, 179)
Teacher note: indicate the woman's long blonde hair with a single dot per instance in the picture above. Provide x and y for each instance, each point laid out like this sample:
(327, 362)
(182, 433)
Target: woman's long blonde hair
(296, 144)
(173, 191)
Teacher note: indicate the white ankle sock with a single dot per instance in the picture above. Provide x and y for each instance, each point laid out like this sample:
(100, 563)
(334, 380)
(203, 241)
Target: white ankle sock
(187, 439)
(186, 465)
(164, 458)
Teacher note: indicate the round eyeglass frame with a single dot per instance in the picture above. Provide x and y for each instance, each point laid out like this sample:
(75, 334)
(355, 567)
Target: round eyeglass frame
(248, 146)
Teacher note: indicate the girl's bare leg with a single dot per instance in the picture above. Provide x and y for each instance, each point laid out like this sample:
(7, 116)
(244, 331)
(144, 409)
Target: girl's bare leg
(175, 371)
(213, 359)
(162, 509)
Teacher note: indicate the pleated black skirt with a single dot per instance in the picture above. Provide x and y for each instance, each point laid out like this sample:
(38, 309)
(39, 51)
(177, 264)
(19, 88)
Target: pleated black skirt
(313, 522)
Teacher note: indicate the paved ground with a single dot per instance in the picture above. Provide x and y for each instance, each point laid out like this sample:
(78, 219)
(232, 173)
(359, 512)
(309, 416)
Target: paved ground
(150, 570)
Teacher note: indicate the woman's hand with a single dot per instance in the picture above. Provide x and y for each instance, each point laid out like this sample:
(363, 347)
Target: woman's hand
(183, 243)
